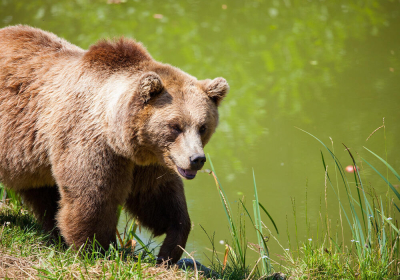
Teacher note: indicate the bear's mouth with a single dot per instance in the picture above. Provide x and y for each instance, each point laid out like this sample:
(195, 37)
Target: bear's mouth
(186, 173)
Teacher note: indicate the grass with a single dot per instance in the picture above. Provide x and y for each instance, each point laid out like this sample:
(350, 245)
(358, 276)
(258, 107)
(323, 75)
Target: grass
(27, 252)
(235, 265)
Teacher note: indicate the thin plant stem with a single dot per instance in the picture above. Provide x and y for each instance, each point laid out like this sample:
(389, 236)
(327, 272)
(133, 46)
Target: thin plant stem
(326, 206)
(295, 223)
(386, 153)
(338, 193)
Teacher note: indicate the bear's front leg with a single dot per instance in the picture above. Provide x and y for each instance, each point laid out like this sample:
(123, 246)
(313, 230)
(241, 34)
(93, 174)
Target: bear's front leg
(177, 235)
(92, 184)
(158, 201)
(87, 216)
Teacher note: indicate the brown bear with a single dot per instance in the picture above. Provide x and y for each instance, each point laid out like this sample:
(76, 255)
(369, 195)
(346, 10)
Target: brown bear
(82, 132)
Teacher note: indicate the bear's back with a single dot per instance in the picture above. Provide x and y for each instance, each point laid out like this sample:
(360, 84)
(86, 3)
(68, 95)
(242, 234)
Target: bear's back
(26, 39)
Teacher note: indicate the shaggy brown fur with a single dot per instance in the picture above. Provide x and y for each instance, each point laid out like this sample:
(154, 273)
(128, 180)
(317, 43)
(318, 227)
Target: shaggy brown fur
(82, 132)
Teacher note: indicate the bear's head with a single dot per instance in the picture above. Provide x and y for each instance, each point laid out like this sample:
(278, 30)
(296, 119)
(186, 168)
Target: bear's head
(155, 113)
(166, 117)
(180, 115)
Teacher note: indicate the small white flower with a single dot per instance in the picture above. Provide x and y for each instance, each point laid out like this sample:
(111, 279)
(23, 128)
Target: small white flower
(221, 242)
(352, 240)
(357, 241)
(389, 219)
(287, 249)
(7, 223)
(310, 239)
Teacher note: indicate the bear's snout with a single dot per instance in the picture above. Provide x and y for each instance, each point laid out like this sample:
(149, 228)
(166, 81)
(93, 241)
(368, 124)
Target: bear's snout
(197, 161)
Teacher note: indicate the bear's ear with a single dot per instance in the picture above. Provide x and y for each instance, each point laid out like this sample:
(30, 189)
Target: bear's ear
(150, 86)
(216, 89)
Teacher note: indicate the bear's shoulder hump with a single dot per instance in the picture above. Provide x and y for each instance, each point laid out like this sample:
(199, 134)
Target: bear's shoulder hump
(116, 54)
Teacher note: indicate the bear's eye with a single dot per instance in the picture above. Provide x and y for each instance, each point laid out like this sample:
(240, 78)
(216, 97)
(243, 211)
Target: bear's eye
(202, 129)
(175, 128)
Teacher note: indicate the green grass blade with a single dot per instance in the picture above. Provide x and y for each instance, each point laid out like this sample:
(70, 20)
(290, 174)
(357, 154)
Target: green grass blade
(336, 245)
(228, 211)
(398, 209)
(259, 237)
(143, 246)
(357, 176)
(248, 214)
(382, 240)
(257, 219)
(338, 164)
(390, 185)
(389, 222)
(387, 164)
(323, 162)
(269, 216)
(338, 198)
(131, 228)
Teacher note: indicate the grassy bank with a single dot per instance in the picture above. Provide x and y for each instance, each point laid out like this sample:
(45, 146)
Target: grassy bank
(27, 252)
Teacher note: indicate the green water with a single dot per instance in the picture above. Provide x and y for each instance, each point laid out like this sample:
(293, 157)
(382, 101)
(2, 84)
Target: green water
(329, 67)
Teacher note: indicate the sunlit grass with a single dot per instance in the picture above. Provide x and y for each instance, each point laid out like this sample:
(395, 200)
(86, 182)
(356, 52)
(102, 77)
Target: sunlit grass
(235, 264)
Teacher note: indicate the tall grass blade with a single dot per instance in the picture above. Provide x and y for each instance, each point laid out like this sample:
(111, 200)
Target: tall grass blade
(248, 214)
(145, 248)
(398, 209)
(228, 211)
(357, 175)
(269, 216)
(338, 198)
(338, 164)
(382, 240)
(390, 185)
(261, 241)
(385, 162)
(389, 222)
(323, 162)
(259, 237)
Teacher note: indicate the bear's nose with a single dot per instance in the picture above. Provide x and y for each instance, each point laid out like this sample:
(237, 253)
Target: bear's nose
(197, 161)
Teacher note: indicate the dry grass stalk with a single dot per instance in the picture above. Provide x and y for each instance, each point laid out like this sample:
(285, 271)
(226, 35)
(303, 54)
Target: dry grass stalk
(225, 257)
(219, 189)
(16, 268)
(196, 273)
(131, 243)
(373, 132)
